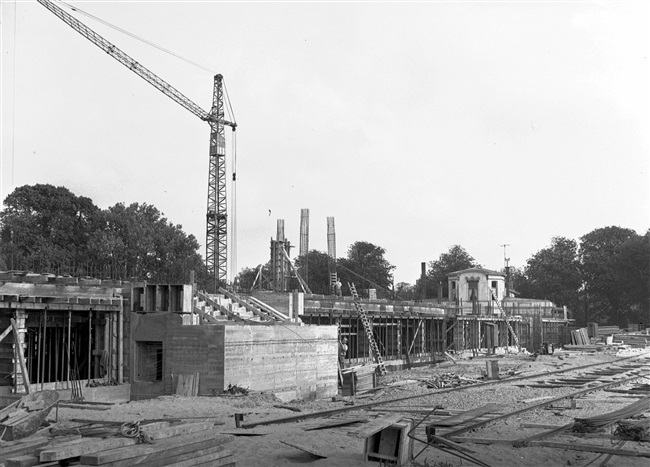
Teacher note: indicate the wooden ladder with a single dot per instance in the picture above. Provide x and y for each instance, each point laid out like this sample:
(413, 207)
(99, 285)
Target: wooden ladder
(366, 326)
(503, 313)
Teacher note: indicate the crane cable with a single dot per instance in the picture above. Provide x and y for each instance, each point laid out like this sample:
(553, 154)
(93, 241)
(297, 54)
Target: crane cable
(141, 39)
(233, 210)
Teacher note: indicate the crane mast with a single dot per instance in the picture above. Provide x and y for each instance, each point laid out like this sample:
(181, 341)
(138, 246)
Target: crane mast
(216, 217)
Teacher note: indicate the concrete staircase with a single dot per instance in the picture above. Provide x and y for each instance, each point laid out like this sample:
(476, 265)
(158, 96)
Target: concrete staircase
(220, 308)
(227, 306)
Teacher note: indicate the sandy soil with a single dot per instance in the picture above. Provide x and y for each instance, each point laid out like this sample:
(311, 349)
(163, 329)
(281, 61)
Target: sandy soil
(268, 449)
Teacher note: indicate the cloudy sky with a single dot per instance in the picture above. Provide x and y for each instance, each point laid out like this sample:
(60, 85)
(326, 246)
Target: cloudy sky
(417, 126)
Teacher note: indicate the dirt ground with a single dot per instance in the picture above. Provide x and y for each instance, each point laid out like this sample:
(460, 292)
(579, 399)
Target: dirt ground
(268, 448)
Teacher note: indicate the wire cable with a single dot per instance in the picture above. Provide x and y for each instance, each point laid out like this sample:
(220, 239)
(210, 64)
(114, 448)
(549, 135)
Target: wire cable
(134, 36)
(13, 105)
(233, 210)
(230, 110)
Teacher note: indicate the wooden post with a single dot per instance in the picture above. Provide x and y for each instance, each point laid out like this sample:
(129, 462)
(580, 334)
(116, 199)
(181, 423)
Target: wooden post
(114, 344)
(43, 347)
(120, 342)
(56, 357)
(107, 328)
(444, 335)
(21, 358)
(40, 346)
(492, 369)
(90, 340)
(69, 333)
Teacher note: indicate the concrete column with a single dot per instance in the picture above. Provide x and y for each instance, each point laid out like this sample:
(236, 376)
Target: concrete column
(296, 305)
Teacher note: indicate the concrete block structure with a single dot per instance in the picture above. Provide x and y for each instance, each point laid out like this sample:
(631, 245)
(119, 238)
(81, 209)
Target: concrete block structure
(142, 336)
(289, 361)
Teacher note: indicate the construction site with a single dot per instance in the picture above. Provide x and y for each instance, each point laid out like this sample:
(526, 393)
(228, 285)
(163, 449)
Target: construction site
(130, 372)
(320, 379)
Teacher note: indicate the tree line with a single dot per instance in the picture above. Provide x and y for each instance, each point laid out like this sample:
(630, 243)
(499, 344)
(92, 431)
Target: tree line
(603, 277)
(44, 228)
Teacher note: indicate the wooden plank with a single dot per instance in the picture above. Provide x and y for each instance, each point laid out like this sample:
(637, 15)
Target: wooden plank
(213, 459)
(5, 333)
(53, 445)
(469, 415)
(375, 426)
(20, 448)
(589, 448)
(70, 405)
(67, 451)
(145, 453)
(556, 445)
(21, 358)
(27, 461)
(183, 429)
(76, 450)
(335, 422)
(22, 461)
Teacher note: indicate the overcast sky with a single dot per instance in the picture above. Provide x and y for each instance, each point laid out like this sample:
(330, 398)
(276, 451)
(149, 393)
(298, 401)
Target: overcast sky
(417, 126)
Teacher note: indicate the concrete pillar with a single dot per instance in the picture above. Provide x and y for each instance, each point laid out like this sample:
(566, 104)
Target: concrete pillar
(296, 305)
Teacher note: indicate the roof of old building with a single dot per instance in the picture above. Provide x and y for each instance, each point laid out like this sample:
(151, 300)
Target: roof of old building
(489, 272)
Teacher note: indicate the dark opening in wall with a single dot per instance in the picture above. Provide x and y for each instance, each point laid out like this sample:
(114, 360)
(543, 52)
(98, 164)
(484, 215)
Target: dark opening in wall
(149, 361)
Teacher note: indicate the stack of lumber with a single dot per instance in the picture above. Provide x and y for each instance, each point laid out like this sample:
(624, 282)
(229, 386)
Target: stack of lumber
(608, 330)
(580, 337)
(184, 444)
(188, 385)
(633, 340)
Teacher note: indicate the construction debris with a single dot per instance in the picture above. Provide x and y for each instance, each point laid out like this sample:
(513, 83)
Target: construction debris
(638, 430)
(592, 424)
(448, 380)
(164, 444)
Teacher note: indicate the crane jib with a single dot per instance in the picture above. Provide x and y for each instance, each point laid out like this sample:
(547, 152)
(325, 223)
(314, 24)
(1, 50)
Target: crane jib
(216, 229)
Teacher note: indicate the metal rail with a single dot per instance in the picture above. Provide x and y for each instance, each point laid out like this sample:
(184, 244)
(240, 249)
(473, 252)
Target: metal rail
(526, 409)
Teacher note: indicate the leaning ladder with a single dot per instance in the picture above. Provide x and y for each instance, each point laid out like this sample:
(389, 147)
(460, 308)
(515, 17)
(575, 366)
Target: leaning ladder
(512, 331)
(366, 326)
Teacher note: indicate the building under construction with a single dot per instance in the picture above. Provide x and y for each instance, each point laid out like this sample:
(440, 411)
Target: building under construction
(135, 339)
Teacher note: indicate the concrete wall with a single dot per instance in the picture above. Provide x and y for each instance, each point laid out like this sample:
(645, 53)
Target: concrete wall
(291, 361)
(318, 302)
(277, 300)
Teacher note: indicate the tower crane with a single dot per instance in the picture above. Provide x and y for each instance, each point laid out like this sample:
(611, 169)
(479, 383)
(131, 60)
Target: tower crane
(216, 216)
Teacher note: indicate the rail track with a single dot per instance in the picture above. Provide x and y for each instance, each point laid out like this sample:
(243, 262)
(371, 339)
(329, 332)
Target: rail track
(592, 378)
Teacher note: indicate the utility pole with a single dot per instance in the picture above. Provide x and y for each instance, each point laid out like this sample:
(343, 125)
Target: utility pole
(506, 260)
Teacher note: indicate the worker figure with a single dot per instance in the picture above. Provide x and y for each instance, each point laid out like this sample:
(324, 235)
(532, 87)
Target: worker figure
(337, 288)
(343, 350)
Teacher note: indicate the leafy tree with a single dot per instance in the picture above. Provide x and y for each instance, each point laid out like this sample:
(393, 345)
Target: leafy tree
(46, 227)
(456, 259)
(248, 277)
(366, 267)
(616, 279)
(318, 278)
(50, 229)
(150, 247)
(518, 279)
(405, 291)
(633, 263)
(553, 273)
